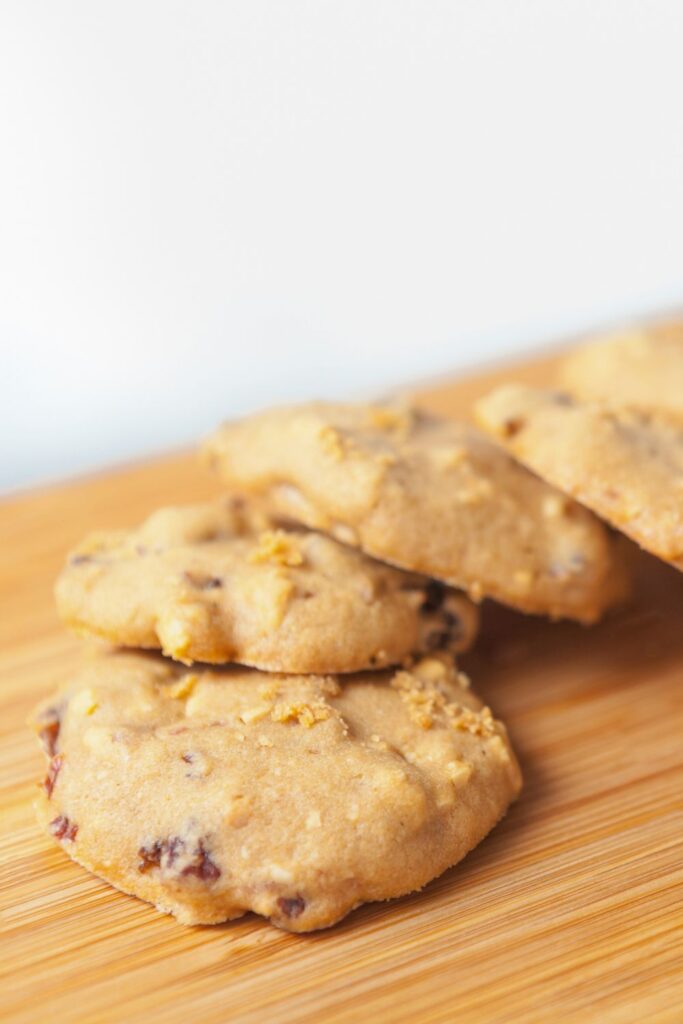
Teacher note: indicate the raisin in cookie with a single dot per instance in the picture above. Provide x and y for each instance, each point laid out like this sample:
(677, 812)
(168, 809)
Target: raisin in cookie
(641, 368)
(625, 464)
(215, 792)
(429, 495)
(217, 582)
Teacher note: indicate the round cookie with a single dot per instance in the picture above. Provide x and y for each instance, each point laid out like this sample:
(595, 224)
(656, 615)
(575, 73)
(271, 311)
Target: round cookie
(217, 582)
(430, 495)
(642, 367)
(216, 792)
(625, 464)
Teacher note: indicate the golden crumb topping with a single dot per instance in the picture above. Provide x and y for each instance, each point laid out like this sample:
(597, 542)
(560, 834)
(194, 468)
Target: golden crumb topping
(277, 547)
(301, 712)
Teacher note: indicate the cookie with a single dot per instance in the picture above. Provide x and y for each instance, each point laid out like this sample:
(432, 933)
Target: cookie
(215, 792)
(429, 495)
(642, 367)
(218, 582)
(625, 464)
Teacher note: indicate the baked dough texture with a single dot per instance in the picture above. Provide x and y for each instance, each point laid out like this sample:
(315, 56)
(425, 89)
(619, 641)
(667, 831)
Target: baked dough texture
(210, 792)
(431, 496)
(625, 464)
(642, 367)
(220, 582)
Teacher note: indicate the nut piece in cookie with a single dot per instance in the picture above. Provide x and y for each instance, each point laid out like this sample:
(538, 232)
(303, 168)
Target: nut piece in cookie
(429, 495)
(221, 582)
(625, 464)
(297, 797)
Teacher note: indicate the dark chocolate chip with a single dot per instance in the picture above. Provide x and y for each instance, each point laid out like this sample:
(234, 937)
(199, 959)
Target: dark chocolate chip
(80, 559)
(173, 848)
(292, 906)
(453, 624)
(202, 866)
(150, 857)
(62, 828)
(435, 593)
(437, 641)
(48, 736)
(203, 582)
(168, 850)
(52, 773)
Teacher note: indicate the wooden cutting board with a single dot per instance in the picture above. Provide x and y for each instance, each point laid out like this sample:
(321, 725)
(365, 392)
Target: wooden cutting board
(572, 910)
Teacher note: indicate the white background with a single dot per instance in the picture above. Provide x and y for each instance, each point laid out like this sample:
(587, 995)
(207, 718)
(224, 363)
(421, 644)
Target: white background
(208, 206)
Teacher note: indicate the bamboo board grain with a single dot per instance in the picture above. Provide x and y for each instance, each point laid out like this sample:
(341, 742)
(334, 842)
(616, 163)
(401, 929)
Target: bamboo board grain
(572, 910)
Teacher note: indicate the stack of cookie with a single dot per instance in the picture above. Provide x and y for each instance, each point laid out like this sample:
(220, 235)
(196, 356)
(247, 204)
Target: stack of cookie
(302, 740)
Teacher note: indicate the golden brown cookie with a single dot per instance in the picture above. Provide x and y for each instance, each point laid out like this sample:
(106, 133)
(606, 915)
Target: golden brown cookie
(625, 464)
(214, 792)
(642, 367)
(218, 582)
(429, 495)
